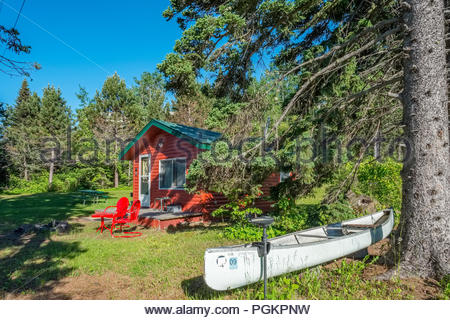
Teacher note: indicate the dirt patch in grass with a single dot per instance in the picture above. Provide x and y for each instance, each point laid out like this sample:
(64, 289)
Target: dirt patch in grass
(414, 288)
(420, 289)
(98, 287)
(423, 289)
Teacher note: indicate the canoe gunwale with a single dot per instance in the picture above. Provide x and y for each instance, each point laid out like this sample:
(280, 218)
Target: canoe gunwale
(275, 247)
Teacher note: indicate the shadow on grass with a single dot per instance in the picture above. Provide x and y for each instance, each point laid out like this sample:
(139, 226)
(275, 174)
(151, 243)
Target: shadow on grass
(196, 288)
(39, 208)
(33, 264)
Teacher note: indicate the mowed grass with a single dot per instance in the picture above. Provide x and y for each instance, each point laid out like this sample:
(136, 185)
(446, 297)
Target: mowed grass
(84, 264)
(161, 264)
(16, 210)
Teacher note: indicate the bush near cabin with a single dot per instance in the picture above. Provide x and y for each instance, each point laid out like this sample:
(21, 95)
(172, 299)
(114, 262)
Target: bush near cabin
(65, 181)
(379, 180)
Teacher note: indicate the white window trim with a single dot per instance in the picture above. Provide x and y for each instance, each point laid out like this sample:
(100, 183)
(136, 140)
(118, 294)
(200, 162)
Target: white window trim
(159, 173)
(149, 175)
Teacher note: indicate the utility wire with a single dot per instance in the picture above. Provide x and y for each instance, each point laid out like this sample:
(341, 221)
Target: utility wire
(60, 40)
(17, 19)
(18, 15)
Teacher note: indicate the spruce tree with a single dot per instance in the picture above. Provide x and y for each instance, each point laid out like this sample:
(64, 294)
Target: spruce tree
(151, 95)
(425, 219)
(3, 154)
(24, 94)
(114, 117)
(22, 133)
(55, 120)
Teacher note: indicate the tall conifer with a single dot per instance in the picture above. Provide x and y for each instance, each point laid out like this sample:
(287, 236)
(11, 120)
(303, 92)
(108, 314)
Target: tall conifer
(55, 121)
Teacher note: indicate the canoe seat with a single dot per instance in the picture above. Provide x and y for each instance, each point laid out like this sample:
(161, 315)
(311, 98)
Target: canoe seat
(359, 226)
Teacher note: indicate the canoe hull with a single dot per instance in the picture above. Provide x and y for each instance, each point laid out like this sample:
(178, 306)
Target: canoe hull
(236, 266)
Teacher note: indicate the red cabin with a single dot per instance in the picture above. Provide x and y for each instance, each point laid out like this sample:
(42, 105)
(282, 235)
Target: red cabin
(161, 155)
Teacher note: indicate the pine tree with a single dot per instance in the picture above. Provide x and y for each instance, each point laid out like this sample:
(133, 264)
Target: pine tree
(22, 132)
(3, 154)
(114, 117)
(55, 120)
(151, 95)
(24, 95)
(425, 220)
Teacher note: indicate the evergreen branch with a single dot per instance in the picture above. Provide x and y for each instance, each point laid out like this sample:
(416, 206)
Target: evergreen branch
(331, 67)
(333, 50)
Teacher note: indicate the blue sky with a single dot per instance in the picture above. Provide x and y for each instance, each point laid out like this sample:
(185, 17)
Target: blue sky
(127, 37)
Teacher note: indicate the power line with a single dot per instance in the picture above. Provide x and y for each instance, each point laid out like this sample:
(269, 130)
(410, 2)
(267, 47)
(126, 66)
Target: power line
(59, 39)
(17, 19)
(18, 15)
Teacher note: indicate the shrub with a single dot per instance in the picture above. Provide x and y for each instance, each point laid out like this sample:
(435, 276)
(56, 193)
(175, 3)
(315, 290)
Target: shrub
(382, 181)
(335, 212)
(16, 183)
(87, 178)
(37, 184)
(63, 181)
(237, 211)
(249, 232)
(288, 216)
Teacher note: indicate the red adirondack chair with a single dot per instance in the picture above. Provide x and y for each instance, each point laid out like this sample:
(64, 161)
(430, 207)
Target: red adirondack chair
(120, 212)
(125, 220)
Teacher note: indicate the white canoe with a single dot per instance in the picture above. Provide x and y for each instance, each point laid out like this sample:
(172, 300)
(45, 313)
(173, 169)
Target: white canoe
(237, 266)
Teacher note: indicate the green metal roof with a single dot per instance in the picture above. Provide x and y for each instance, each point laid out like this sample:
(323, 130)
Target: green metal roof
(200, 138)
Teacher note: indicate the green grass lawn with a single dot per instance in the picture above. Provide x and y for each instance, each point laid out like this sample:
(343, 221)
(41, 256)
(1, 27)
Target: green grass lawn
(159, 265)
(16, 210)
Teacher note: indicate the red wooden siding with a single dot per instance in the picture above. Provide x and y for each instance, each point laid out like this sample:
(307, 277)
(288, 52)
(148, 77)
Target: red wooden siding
(270, 181)
(173, 147)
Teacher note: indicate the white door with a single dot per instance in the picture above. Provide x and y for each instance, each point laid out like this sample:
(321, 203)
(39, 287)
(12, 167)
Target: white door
(144, 180)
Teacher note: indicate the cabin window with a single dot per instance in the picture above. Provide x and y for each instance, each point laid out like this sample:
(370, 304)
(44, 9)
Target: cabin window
(172, 173)
(284, 176)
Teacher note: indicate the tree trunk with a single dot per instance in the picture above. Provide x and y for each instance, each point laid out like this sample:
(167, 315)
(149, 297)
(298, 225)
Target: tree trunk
(52, 168)
(25, 169)
(377, 145)
(425, 220)
(116, 176)
(447, 46)
(116, 171)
